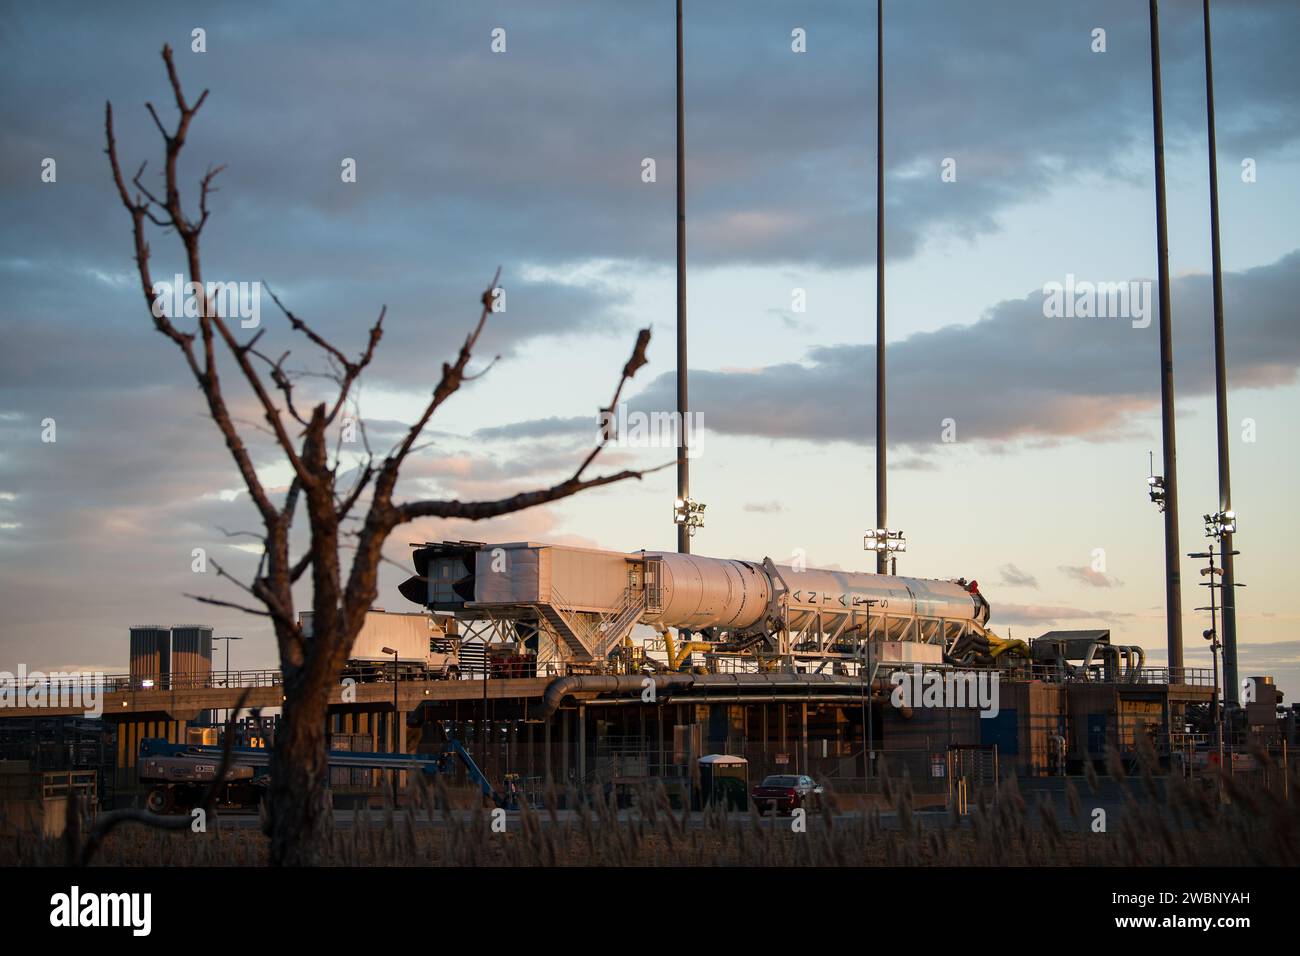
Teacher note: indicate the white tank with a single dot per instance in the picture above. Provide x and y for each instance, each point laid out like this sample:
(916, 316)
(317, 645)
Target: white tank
(703, 592)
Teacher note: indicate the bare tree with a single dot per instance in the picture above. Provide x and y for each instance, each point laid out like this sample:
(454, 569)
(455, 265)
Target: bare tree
(340, 596)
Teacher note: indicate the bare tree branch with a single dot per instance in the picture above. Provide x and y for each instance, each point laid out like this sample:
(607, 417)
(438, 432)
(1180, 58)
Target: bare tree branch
(479, 510)
(634, 363)
(217, 602)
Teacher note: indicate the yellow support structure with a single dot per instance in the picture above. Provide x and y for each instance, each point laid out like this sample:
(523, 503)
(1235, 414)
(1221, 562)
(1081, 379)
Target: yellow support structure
(676, 657)
(999, 646)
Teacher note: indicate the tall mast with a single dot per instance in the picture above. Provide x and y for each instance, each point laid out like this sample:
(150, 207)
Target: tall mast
(1173, 584)
(1230, 681)
(882, 503)
(683, 465)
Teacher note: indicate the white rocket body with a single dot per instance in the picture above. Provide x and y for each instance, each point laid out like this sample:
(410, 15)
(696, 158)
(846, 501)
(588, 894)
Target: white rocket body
(701, 592)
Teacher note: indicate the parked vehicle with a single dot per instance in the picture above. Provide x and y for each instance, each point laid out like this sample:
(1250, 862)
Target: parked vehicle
(179, 776)
(426, 645)
(785, 793)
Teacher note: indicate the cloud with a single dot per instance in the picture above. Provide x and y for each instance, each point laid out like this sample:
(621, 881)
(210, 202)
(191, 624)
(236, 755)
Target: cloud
(1041, 614)
(1012, 375)
(1277, 654)
(916, 463)
(764, 507)
(532, 159)
(1014, 577)
(1279, 660)
(542, 428)
(1089, 576)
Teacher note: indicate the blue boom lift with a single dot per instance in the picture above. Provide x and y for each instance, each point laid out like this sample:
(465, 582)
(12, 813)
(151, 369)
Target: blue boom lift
(180, 773)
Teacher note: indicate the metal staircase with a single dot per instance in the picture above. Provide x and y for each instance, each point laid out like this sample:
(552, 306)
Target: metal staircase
(590, 637)
(568, 626)
(618, 624)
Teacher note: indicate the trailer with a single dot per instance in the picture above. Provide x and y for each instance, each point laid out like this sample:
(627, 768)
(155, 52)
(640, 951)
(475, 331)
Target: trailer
(180, 774)
(427, 646)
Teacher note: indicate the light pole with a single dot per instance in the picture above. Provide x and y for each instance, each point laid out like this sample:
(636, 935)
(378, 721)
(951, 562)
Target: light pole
(1220, 527)
(1212, 635)
(887, 545)
(227, 640)
(688, 516)
(389, 650)
(868, 675)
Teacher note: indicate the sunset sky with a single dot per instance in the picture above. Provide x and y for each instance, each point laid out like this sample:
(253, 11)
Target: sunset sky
(531, 159)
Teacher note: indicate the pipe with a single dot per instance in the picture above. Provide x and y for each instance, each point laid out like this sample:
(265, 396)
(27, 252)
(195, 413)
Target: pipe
(665, 684)
(904, 712)
(1087, 658)
(1140, 655)
(562, 687)
(1110, 657)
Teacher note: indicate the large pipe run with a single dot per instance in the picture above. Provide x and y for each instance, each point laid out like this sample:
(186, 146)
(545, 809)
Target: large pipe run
(632, 687)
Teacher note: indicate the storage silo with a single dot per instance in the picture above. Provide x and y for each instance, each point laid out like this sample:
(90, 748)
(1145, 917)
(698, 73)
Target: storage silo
(150, 655)
(191, 655)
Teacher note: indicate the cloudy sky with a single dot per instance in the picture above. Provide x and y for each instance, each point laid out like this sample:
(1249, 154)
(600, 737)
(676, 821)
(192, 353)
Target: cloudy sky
(532, 159)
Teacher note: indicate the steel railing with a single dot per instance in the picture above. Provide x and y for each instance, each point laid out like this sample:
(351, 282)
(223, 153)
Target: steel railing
(271, 677)
(1097, 674)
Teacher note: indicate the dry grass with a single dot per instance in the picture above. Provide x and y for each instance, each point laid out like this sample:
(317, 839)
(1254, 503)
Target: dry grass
(1164, 823)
